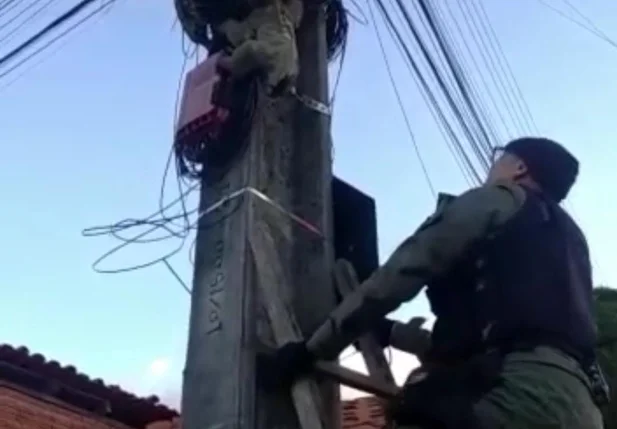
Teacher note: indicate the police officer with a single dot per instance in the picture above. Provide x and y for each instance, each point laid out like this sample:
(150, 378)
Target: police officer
(509, 279)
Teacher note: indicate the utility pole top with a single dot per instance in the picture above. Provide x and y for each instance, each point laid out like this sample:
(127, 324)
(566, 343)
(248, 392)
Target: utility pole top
(287, 161)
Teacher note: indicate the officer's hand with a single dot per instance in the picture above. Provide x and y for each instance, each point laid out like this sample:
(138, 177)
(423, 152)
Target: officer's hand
(223, 65)
(381, 333)
(281, 368)
(416, 323)
(411, 337)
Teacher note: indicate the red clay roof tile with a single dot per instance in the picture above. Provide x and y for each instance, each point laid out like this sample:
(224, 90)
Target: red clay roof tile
(361, 413)
(125, 407)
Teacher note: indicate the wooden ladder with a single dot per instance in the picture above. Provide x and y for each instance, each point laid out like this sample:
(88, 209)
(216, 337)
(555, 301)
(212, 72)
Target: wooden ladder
(304, 391)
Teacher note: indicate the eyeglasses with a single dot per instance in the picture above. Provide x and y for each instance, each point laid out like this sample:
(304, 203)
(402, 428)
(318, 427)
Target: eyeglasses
(496, 153)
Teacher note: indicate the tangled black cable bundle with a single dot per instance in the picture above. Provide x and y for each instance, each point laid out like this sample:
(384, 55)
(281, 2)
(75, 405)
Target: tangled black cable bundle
(178, 226)
(199, 17)
(337, 28)
(156, 221)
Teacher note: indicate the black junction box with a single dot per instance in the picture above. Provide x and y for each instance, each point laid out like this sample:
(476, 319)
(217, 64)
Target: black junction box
(355, 228)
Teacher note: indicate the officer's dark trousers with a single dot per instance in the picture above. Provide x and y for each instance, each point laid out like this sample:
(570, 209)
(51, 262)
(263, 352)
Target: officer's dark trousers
(538, 389)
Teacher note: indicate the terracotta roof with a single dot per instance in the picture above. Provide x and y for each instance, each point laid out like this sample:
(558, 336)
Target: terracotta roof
(19, 366)
(361, 413)
(34, 371)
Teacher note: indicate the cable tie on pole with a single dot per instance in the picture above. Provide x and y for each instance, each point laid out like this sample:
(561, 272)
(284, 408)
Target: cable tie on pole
(311, 103)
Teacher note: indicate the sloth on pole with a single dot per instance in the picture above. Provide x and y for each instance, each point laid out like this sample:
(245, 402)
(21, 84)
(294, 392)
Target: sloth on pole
(256, 37)
(265, 41)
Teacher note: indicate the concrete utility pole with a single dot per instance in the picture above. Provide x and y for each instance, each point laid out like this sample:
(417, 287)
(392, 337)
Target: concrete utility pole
(289, 160)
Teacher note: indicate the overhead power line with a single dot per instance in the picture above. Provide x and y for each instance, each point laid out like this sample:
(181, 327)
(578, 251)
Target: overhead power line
(427, 80)
(6, 37)
(475, 73)
(8, 6)
(57, 38)
(439, 74)
(493, 39)
(52, 26)
(401, 105)
(589, 27)
(443, 60)
(20, 13)
(478, 29)
(430, 99)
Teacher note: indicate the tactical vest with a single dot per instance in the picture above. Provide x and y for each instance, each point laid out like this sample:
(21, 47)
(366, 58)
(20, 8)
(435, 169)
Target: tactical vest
(528, 284)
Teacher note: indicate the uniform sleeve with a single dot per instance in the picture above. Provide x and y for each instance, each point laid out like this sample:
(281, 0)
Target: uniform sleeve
(437, 244)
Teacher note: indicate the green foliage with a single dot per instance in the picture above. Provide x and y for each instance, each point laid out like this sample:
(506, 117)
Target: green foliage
(606, 318)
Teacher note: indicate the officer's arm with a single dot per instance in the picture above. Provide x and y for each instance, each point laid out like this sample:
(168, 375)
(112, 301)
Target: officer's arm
(429, 252)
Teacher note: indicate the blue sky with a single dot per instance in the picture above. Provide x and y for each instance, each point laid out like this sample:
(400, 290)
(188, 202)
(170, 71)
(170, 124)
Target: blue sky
(86, 134)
